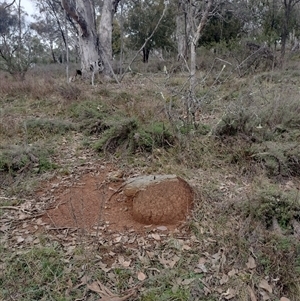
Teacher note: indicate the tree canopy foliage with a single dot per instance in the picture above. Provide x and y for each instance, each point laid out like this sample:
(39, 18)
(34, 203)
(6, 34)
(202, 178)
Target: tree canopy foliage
(141, 22)
(141, 25)
(15, 41)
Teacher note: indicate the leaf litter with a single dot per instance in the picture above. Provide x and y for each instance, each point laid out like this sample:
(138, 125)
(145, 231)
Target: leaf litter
(144, 251)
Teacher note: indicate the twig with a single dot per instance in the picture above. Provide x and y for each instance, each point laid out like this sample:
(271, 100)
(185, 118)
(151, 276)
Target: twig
(11, 208)
(119, 190)
(8, 5)
(146, 41)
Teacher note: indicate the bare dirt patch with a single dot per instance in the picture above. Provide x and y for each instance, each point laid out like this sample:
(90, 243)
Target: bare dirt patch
(91, 200)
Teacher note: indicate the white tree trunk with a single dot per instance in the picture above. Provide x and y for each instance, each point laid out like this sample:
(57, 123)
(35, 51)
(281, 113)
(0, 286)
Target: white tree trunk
(83, 14)
(195, 39)
(105, 35)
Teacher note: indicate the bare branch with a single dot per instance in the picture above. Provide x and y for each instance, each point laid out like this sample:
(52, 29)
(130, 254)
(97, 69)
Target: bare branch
(8, 5)
(202, 22)
(147, 40)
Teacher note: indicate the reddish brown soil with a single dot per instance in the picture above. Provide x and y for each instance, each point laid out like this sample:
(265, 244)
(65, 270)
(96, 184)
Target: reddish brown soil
(91, 199)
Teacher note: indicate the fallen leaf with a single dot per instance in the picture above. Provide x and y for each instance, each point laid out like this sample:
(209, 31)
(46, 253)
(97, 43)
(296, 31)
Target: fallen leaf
(186, 248)
(232, 272)
(229, 294)
(175, 288)
(123, 262)
(252, 295)
(104, 267)
(265, 296)
(174, 261)
(105, 293)
(162, 228)
(20, 239)
(23, 216)
(118, 239)
(216, 256)
(187, 281)
(94, 287)
(224, 279)
(202, 260)
(155, 236)
(284, 299)
(251, 263)
(202, 267)
(265, 285)
(141, 276)
(70, 283)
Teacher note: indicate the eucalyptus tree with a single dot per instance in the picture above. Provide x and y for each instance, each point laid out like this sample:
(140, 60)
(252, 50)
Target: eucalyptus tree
(95, 41)
(50, 25)
(15, 40)
(288, 16)
(198, 16)
(183, 28)
(150, 24)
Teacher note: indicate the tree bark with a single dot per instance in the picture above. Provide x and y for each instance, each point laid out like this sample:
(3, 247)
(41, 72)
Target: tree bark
(195, 39)
(83, 14)
(146, 53)
(288, 6)
(182, 31)
(105, 36)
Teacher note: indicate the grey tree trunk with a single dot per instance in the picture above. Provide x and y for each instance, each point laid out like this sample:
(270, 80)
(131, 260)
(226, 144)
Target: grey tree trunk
(105, 35)
(182, 31)
(82, 12)
(196, 32)
(195, 39)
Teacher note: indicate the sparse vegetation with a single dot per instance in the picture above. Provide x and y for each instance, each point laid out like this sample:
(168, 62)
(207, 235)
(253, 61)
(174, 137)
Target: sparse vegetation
(240, 152)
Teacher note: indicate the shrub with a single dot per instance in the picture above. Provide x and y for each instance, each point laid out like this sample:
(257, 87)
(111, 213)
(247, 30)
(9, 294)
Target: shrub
(22, 159)
(270, 203)
(37, 127)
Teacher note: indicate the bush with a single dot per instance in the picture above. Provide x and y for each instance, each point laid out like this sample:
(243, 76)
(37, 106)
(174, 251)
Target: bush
(38, 127)
(155, 135)
(23, 159)
(127, 133)
(270, 203)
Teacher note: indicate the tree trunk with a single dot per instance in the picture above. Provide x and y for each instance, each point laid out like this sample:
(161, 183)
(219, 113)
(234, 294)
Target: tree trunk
(105, 36)
(181, 32)
(83, 14)
(146, 52)
(191, 105)
(195, 39)
(285, 30)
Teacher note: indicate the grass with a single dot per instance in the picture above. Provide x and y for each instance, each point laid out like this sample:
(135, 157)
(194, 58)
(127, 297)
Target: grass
(33, 275)
(241, 156)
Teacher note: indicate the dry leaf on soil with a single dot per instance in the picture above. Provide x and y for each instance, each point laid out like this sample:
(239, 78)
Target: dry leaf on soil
(252, 295)
(229, 294)
(105, 293)
(123, 262)
(284, 299)
(233, 272)
(155, 236)
(201, 268)
(265, 296)
(141, 276)
(162, 228)
(224, 279)
(251, 263)
(265, 285)
(187, 281)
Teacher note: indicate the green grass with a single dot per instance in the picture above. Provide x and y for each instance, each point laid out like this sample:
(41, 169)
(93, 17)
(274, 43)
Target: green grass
(18, 158)
(241, 155)
(36, 274)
